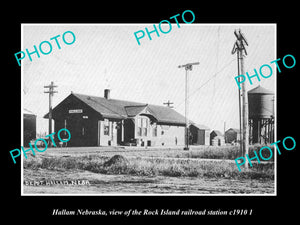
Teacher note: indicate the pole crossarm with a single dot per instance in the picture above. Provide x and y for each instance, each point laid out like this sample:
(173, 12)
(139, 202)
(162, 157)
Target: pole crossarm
(51, 92)
(240, 43)
(168, 103)
(50, 86)
(189, 66)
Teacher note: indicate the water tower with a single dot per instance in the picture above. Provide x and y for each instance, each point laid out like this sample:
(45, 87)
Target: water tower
(261, 115)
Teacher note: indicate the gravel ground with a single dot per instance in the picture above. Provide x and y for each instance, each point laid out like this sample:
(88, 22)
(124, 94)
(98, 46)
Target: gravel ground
(70, 182)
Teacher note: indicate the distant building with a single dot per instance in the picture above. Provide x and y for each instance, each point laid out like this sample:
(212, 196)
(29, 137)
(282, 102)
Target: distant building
(102, 121)
(217, 138)
(29, 127)
(232, 135)
(199, 134)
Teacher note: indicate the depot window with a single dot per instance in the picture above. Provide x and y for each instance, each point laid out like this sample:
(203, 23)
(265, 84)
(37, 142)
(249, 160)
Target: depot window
(106, 127)
(145, 126)
(139, 126)
(154, 130)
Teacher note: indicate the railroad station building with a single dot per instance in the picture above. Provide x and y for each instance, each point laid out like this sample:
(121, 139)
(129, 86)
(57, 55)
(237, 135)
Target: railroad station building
(102, 121)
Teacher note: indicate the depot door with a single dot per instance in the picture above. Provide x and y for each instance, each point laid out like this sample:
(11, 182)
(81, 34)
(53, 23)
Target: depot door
(83, 132)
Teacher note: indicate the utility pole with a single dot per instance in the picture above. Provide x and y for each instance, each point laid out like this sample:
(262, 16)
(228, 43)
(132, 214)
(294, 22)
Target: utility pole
(224, 131)
(51, 92)
(239, 47)
(188, 66)
(168, 103)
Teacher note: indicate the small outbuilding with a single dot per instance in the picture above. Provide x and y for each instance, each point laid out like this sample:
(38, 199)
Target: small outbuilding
(199, 134)
(29, 126)
(217, 138)
(232, 135)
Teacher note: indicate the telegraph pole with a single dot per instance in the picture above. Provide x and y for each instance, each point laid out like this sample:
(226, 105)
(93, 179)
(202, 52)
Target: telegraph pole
(243, 98)
(188, 67)
(51, 93)
(224, 131)
(168, 103)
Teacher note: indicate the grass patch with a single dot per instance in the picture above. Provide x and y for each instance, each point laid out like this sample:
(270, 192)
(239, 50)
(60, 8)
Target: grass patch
(224, 152)
(151, 166)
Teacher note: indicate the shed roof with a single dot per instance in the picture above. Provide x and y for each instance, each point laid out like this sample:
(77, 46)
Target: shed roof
(260, 90)
(120, 109)
(217, 132)
(200, 126)
(26, 111)
(233, 129)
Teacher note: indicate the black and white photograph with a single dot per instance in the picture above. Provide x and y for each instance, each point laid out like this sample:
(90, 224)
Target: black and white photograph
(162, 113)
(144, 109)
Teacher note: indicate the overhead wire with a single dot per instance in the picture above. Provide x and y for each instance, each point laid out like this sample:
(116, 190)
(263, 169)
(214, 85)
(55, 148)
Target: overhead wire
(206, 82)
(217, 64)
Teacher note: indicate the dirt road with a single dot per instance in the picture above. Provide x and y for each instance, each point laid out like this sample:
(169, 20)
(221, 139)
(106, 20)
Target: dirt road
(137, 185)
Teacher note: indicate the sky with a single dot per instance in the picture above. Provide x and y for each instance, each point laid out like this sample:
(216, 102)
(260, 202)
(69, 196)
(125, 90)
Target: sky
(108, 56)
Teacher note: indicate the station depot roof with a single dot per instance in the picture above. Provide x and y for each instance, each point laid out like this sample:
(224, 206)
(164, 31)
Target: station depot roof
(119, 109)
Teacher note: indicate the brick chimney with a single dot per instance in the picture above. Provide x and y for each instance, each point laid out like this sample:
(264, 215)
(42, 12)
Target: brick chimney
(107, 93)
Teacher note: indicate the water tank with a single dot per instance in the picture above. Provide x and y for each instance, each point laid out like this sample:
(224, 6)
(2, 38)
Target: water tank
(261, 103)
